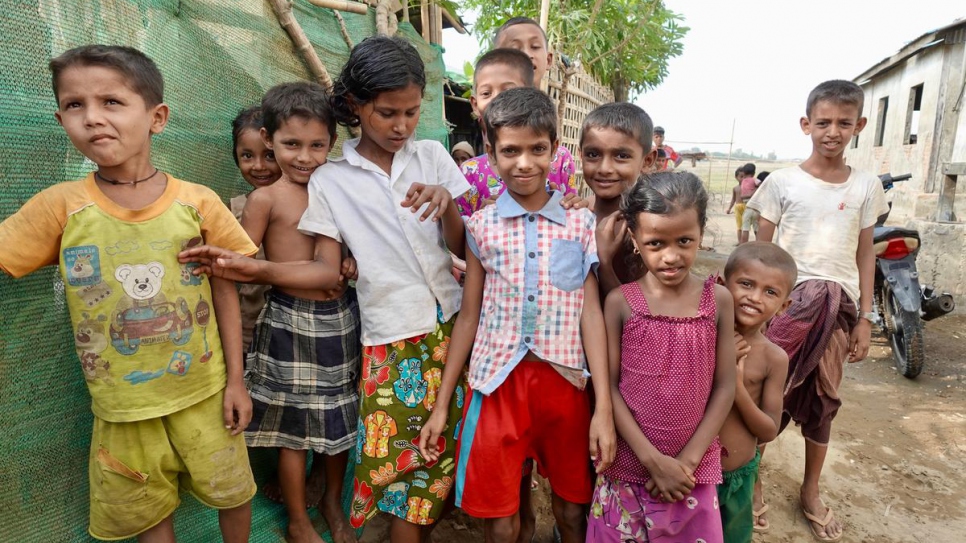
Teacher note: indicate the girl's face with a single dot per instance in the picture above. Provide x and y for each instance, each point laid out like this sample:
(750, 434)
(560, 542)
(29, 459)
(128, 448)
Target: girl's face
(390, 119)
(256, 162)
(668, 244)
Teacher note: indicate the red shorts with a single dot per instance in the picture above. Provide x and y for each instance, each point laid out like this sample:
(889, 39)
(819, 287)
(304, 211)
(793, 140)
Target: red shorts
(535, 413)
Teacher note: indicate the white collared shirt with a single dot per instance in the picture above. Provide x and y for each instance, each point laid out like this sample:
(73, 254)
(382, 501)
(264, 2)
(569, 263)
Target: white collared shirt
(404, 265)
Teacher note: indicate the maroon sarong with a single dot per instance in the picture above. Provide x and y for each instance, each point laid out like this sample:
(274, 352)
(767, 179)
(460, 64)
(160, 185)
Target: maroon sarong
(814, 332)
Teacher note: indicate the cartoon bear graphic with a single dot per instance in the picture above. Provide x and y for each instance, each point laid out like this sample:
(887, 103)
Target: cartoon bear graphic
(91, 340)
(141, 282)
(144, 316)
(82, 266)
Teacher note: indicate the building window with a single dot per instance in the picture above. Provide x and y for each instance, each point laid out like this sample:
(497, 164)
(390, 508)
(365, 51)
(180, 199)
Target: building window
(912, 115)
(880, 121)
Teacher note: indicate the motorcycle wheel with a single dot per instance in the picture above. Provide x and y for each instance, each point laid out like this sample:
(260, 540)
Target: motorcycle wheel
(905, 338)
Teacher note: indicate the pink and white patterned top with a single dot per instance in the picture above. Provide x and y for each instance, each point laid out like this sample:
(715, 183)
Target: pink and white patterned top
(536, 264)
(667, 370)
(485, 183)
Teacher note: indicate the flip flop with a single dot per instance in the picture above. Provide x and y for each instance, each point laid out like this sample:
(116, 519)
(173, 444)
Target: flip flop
(823, 522)
(761, 528)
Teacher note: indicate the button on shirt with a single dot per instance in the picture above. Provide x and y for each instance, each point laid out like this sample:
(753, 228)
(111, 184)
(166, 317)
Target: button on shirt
(404, 265)
(533, 296)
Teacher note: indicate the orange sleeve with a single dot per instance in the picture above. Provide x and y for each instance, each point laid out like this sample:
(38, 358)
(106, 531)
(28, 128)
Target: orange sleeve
(219, 226)
(30, 238)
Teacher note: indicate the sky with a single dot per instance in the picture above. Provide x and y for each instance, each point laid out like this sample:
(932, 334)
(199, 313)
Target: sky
(752, 63)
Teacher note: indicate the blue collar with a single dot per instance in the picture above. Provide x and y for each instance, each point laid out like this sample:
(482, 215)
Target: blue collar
(508, 208)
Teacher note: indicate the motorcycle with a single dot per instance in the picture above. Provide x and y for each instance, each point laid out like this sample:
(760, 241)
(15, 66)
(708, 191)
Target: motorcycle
(902, 304)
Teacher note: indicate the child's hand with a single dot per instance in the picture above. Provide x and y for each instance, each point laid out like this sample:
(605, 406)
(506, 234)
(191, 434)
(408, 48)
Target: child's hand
(671, 480)
(221, 263)
(740, 374)
(859, 340)
(488, 201)
(438, 198)
(741, 346)
(603, 440)
(459, 269)
(429, 435)
(572, 200)
(610, 235)
(349, 271)
(237, 408)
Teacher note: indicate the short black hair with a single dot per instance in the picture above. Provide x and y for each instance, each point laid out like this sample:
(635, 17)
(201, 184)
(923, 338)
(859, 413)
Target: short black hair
(763, 175)
(514, 21)
(749, 169)
(297, 99)
(247, 119)
(769, 254)
(837, 91)
(665, 193)
(514, 58)
(139, 71)
(624, 117)
(520, 107)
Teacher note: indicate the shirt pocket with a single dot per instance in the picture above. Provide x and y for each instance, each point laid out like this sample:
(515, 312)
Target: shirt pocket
(566, 264)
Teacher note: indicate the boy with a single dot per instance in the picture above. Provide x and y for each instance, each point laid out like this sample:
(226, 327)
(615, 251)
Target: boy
(670, 159)
(737, 204)
(760, 276)
(164, 373)
(496, 71)
(304, 362)
(615, 149)
(822, 212)
(749, 220)
(527, 339)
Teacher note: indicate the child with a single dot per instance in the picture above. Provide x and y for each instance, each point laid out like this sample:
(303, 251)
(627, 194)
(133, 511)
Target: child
(258, 167)
(156, 396)
(737, 204)
(822, 212)
(496, 71)
(378, 198)
(668, 158)
(615, 148)
(462, 152)
(527, 365)
(749, 219)
(304, 363)
(671, 348)
(760, 276)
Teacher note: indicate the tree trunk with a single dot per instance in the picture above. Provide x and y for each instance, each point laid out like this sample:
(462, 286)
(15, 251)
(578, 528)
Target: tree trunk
(620, 89)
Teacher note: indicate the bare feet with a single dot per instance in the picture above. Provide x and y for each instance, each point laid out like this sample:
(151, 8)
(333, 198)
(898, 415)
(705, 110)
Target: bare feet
(315, 482)
(812, 504)
(301, 531)
(339, 526)
(272, 490)
(759, 508)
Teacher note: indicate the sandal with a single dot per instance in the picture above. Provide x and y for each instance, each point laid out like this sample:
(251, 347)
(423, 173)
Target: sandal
(761, 528)
(823, 522)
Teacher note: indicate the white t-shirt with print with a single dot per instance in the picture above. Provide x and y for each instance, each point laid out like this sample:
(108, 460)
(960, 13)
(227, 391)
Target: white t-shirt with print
(818, 223)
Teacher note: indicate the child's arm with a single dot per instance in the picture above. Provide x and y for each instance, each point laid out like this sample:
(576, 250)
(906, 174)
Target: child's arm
(723, 388)
(763, 421)
(670, 478)
(734, 197)
(323, 273)
(862, 333)
(237, 405)
(255, 216)
(610, 234)
(442, 209)
(766, 230)
(460, 345)
(603, 439)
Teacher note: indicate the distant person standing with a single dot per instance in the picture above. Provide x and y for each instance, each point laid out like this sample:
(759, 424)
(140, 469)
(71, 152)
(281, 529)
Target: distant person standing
(673, 158)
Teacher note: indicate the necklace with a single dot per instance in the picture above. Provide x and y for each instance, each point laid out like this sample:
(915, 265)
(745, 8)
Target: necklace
(115, 182)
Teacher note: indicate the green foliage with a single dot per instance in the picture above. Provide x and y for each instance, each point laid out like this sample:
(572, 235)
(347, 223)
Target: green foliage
(625, 45)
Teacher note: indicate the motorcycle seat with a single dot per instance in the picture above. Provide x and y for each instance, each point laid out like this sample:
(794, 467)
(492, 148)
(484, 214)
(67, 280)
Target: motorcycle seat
(882, 233)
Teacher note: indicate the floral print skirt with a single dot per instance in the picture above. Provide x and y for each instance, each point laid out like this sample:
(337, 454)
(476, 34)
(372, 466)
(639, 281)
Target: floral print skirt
(622, 512)
(399, 386)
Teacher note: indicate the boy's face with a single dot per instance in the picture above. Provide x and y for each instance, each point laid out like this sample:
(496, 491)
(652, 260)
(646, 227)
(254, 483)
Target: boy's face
(522, 157)
(529, 39)
(256, 161)
(659, 139)
(460, 156)
(612, 161)
(300, 145)
(831, 127)
(106, 119)
(390, 119)
(490, 82)
(760, 292)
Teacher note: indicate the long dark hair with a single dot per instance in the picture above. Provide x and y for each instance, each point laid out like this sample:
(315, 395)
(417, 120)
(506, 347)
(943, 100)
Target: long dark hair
(376, 65)
(665, 193)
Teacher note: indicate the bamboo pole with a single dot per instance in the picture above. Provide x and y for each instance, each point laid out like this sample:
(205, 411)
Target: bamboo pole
(544, 14)
(424, 19)
(453, 21)
(405, 6)
(344, 30)
(283, 11)
(341, 5)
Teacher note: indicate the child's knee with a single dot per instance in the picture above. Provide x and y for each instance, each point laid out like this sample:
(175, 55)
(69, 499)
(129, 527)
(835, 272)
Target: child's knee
(503, 529)
(571, 515)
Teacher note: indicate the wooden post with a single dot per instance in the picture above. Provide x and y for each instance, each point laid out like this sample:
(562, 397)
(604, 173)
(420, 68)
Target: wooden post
(424, 19)
(544, 14)
(283, 11)
(341, 5)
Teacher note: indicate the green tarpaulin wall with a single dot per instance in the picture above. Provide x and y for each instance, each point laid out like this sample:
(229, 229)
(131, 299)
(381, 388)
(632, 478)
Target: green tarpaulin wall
(217, 57)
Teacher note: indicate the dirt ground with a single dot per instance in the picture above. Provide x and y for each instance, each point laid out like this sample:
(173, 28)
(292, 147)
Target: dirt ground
(896, 469)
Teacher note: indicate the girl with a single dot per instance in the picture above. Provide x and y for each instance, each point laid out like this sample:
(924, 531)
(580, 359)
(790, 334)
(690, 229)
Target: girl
(258, 167)
(672, 359)
(378, 199)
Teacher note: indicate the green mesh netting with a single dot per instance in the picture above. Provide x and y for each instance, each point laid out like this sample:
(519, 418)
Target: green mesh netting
(217, 57)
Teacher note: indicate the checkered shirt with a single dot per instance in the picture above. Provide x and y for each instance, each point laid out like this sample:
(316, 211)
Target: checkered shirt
(536, 264)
